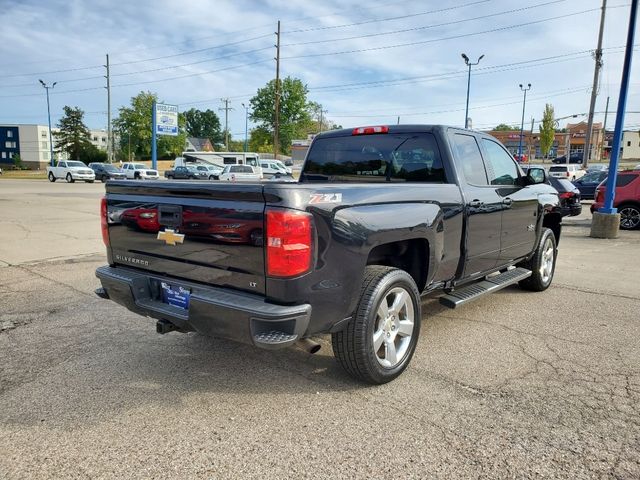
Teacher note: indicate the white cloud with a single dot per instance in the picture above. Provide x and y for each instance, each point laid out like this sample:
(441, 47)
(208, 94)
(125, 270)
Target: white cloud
(59, 35)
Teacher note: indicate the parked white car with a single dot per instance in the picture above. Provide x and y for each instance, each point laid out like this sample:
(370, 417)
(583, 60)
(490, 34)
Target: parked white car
(273, 167)
(213, 171)
(139, 171)
(71, 170)
(240, 173)
(568, 171)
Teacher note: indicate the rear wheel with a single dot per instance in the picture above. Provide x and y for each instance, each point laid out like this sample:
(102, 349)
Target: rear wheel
(69, 178)
(542, 264)
(629, 216)
(378, 343)
(52, 177)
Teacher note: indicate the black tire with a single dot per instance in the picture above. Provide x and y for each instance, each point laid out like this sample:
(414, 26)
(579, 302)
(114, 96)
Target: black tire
(52, 177)
(136, 176)
(211, 177)
(629, 216)
(540, 278)
(256, 237)
(354, 346)
(88, 181)
(69, 178)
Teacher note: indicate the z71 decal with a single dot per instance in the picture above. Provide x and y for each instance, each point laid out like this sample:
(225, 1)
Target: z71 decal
(325, 198)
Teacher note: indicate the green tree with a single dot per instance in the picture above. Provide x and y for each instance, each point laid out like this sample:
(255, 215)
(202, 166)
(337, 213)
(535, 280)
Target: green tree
(547, 129)
(203, 124)
(93, 154)
(134, 124)
(261, 140)
(73, 136)
(294, 110)
(503, 127)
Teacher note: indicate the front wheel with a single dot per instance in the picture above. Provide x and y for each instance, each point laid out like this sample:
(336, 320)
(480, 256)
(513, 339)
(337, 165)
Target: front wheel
(69, 178)
(629, 217)
(52, 177)
(542, 264)
(211, 177)
(378, 343)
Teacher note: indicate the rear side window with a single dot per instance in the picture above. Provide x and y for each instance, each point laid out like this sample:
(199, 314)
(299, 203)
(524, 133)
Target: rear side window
(469, 159)
(502, 169)
(401, 157)
(624, 180)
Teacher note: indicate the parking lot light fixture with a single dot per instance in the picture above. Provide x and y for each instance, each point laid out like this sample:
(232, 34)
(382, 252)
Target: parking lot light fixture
(524, 102)
(469, 65)
(47, 87)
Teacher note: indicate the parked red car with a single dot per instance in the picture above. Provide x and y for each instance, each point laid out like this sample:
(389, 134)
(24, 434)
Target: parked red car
(626, 200)
(141, 218)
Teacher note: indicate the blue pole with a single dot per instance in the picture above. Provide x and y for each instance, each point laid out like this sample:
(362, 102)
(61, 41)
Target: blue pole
(622, 103)
(154, 151)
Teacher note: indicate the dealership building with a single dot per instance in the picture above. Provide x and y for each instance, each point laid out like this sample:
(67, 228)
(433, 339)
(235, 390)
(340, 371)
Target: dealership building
(31, 143)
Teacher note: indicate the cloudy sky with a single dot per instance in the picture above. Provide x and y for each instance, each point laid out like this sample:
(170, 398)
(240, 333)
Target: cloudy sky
(365, 62)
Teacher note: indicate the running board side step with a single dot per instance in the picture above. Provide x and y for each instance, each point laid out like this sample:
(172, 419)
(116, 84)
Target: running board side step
(489, 285)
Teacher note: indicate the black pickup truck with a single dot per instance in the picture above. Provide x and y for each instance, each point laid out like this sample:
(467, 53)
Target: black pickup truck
(380, 216)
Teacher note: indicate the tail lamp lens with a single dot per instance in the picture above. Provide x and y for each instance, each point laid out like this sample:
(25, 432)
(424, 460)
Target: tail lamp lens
(288, 243)
(103, 221)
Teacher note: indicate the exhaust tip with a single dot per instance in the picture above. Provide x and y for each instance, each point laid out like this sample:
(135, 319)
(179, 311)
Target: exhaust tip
(308, 345)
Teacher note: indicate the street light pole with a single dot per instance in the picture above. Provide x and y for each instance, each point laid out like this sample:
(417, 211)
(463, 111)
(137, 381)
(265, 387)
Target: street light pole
(469, 64)
(524, 103)
(246, 126)
(47, 87)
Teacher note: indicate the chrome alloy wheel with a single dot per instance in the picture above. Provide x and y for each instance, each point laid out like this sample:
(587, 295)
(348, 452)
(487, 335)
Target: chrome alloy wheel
(546, 262)
(393, 327)
(629, 217)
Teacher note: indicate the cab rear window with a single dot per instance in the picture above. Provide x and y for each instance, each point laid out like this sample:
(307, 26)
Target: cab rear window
(403, 157)
(558, 169)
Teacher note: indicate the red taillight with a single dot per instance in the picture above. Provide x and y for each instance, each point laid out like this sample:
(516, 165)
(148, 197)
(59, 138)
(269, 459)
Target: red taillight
(288, 243)
(370, 130)
(103, 221)
(568, 174)
(566, 195)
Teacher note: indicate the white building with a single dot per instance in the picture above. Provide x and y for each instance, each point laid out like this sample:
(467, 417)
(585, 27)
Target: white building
(630, 145)
(31, 143)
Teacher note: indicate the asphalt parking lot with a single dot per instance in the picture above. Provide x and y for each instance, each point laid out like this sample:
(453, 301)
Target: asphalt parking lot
(515, 385)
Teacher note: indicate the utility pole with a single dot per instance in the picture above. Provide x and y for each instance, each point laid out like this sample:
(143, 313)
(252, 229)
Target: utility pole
(531, 142)
(246, 126)
(47, 87)
(604, 126)
(276, 128)
(524, 103)
(109, 138)
(226, 109)
(594, 90)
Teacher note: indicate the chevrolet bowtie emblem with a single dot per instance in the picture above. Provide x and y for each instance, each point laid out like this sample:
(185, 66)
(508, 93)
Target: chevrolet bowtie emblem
(170, 237)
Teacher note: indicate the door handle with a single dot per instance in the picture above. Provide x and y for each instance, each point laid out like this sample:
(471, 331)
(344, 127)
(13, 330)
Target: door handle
(507, 202)
(476, 204)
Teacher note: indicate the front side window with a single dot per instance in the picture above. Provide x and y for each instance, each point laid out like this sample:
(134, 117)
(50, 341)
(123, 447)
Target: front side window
(469, 158)
(397, 158)
(502, 169)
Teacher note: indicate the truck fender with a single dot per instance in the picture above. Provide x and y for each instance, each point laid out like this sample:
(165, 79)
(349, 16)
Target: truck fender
(362, 228)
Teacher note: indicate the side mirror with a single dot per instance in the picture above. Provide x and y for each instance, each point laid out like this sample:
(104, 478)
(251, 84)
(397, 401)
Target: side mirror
(536, 176)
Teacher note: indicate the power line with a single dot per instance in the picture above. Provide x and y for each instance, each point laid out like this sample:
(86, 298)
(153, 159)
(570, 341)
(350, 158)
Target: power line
(424, 27)
(388, 19)
(453, 37)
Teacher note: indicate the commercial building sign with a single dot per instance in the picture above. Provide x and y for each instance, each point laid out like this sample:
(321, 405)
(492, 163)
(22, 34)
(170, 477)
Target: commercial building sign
(166, 119)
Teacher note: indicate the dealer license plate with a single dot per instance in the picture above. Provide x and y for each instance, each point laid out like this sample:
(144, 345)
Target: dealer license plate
(175, 295)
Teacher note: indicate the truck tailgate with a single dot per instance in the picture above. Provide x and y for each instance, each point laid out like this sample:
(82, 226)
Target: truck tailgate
(203, 232)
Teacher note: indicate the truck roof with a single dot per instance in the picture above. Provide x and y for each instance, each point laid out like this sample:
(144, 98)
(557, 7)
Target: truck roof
(411, 128)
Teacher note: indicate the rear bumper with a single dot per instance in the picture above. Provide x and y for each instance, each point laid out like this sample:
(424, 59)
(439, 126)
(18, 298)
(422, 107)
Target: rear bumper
(213, 311)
